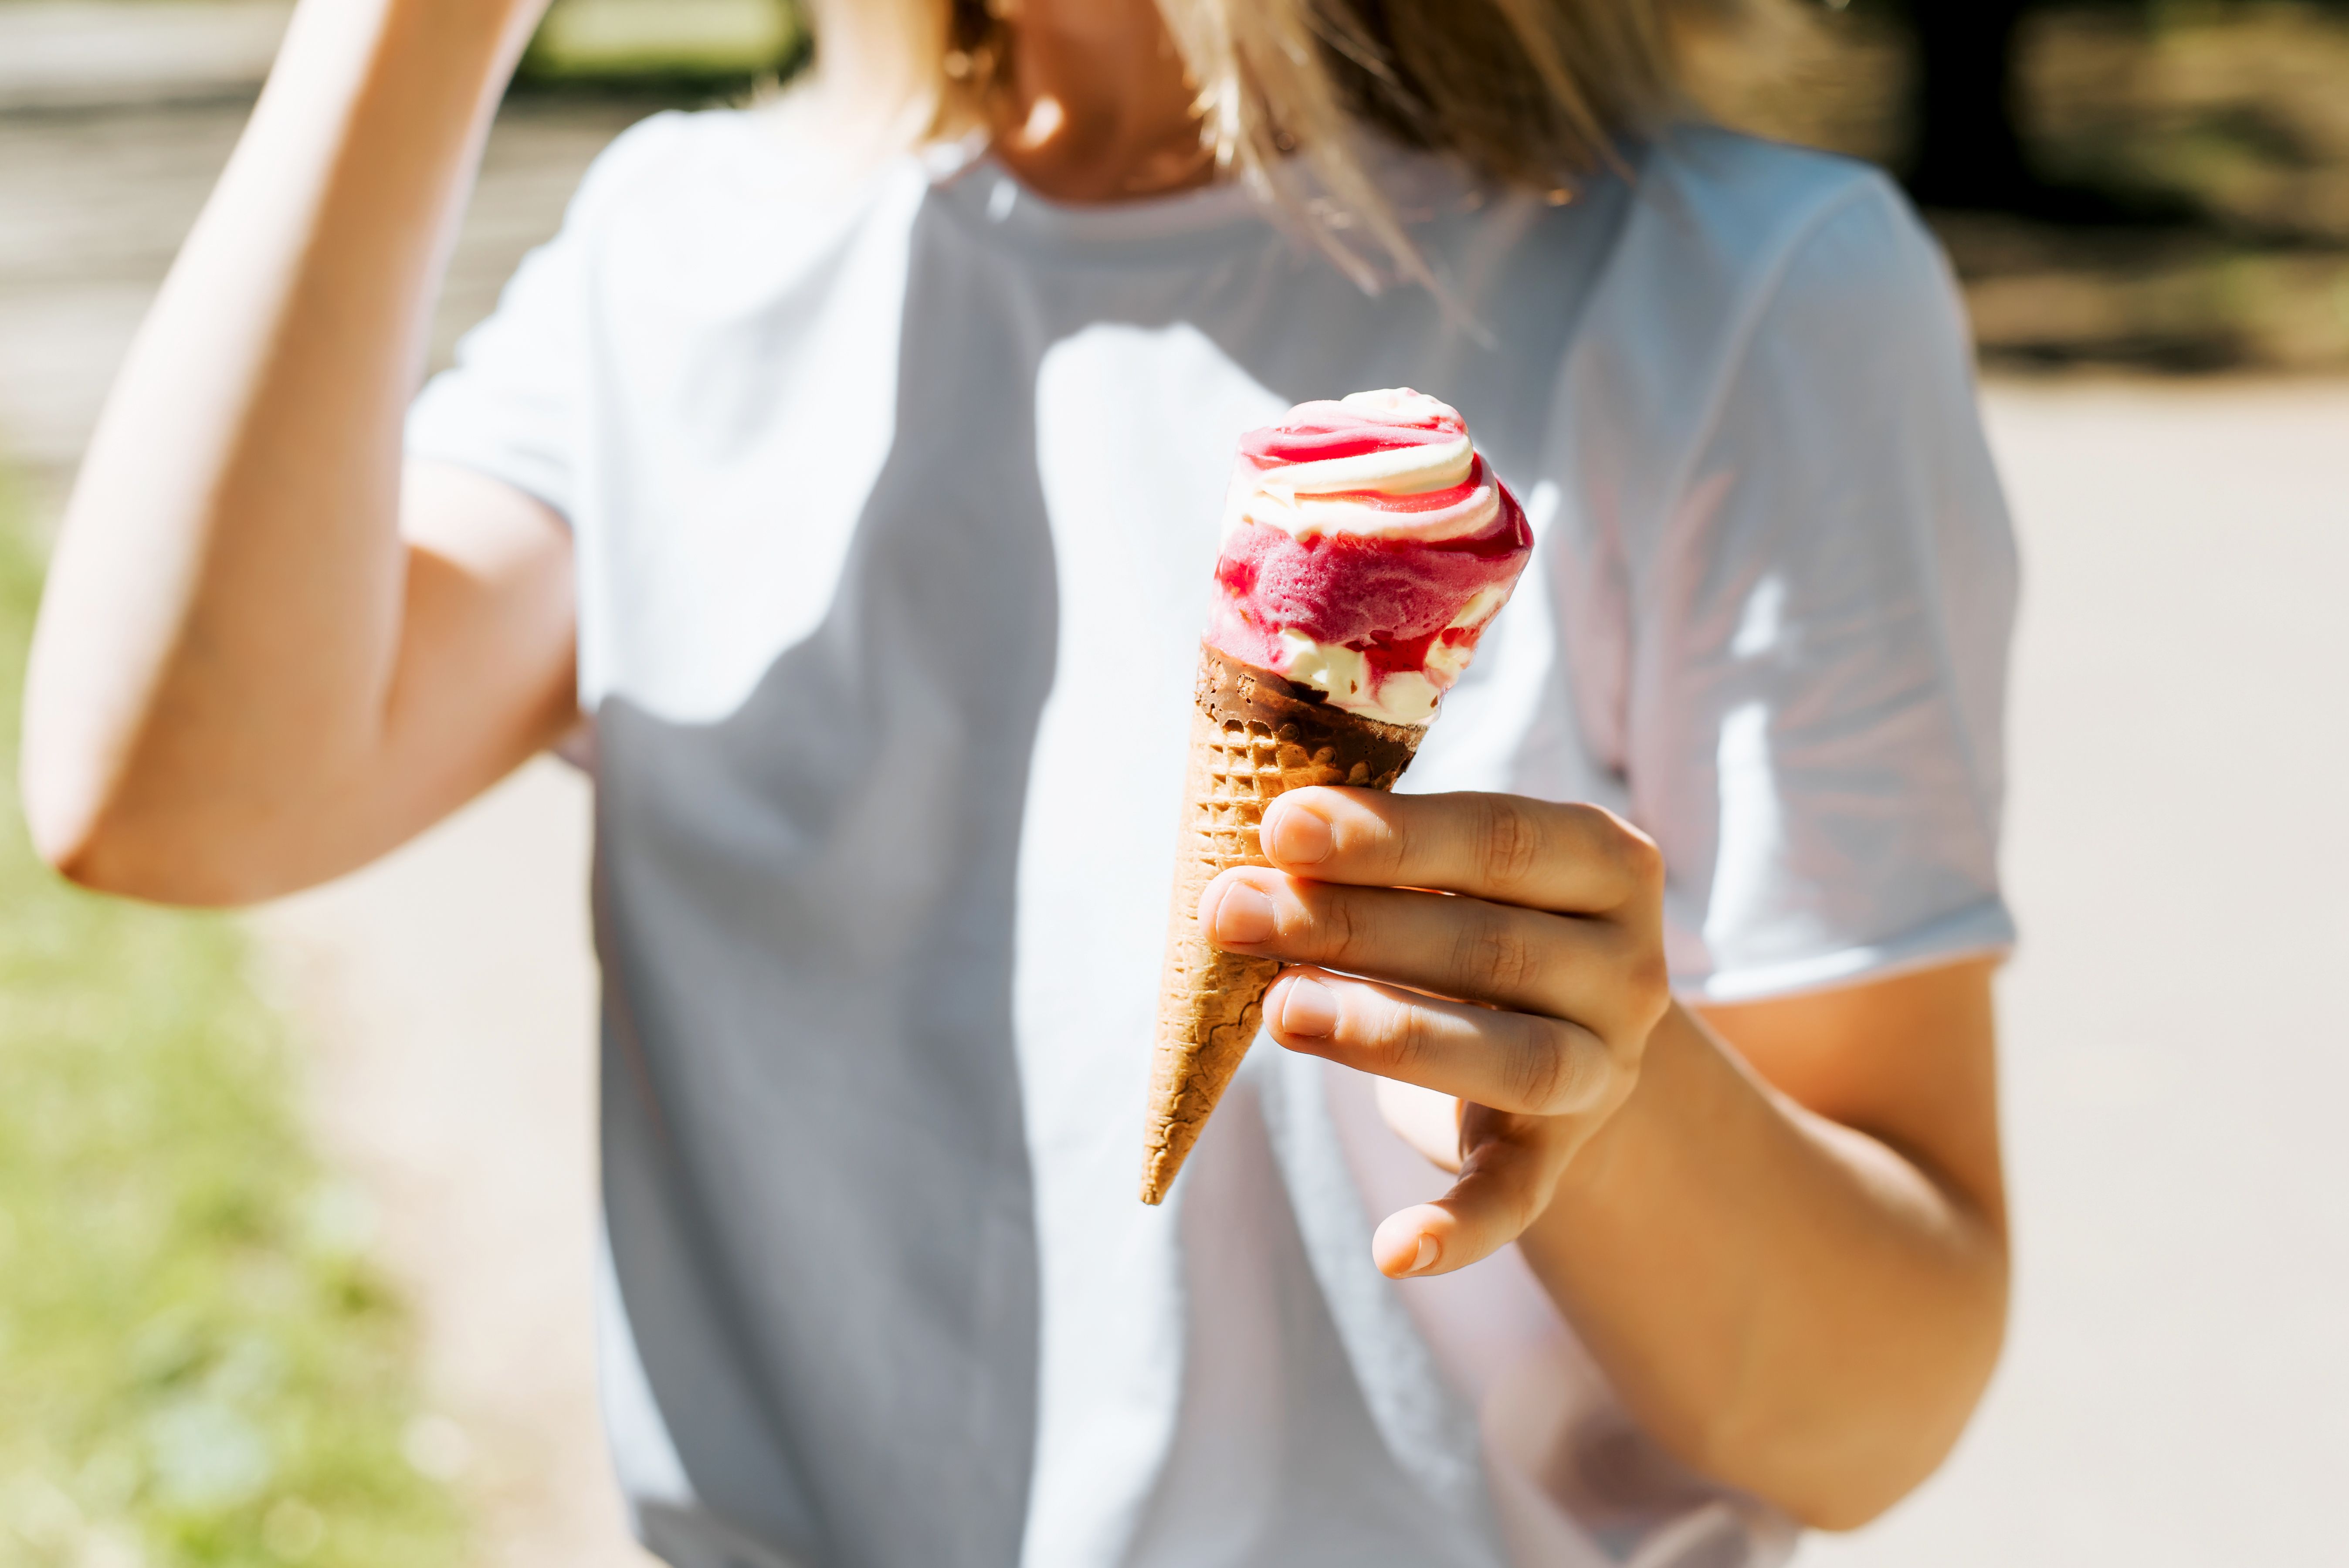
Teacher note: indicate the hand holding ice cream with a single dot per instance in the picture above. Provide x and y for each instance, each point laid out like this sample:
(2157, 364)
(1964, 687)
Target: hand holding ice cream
(1366, 547)
(1504, 954)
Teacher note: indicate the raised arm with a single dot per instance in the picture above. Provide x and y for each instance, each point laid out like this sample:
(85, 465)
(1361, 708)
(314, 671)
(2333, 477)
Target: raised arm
(264, 658)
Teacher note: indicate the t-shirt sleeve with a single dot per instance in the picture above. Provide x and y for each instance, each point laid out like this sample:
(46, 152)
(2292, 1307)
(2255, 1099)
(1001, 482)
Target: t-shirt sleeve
(1818, 645)
(511, 404)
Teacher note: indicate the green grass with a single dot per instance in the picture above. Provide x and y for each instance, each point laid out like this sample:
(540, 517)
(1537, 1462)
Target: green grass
(196, 1366)
(684, 43)
(2228, 112)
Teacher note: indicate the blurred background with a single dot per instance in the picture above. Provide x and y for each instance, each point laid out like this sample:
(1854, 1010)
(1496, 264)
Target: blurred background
(296, 1209)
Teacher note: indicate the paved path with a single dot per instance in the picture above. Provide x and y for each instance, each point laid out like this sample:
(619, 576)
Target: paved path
(2178, 1390)
(448, 995)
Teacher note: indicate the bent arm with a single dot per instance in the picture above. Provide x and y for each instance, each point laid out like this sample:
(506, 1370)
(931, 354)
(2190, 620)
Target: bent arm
(1791, 1255)
(261, 659)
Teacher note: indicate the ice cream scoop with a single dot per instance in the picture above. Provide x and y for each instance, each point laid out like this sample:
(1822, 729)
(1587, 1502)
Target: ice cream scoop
(1366, 548)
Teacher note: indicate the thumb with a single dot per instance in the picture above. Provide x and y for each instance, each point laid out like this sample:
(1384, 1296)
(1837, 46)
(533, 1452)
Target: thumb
(1510, 1166)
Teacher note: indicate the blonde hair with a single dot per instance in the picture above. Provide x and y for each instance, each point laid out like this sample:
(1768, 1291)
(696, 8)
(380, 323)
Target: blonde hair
(1532, 94)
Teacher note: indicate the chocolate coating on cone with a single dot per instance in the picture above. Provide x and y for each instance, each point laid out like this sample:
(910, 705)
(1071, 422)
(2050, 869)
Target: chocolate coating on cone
(1254, 736)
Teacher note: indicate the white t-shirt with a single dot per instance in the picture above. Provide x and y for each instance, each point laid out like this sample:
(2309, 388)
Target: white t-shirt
(896, 501)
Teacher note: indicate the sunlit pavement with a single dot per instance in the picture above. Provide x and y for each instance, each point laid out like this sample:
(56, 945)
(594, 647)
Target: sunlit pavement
(2176, 1054)
(2176, 1391)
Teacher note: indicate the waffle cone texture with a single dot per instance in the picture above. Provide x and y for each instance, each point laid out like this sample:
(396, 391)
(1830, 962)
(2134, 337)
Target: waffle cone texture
(1254, 736)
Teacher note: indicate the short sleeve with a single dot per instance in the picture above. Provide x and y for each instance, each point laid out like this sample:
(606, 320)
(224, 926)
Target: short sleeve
(511, 407)
(1818, 646)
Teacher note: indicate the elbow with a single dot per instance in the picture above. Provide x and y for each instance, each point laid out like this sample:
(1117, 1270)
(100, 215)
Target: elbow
(1866, 1489)
(1839, 1458)
(1861, 1473)
(119, 866)
(79, 848)
(164, 841)
(63, 814)
(112, 820)
(1833, 1481)
(76, 857)
(173, 834)
(68, 788)
(94, 842)
(1835, 1515)
(102, 867)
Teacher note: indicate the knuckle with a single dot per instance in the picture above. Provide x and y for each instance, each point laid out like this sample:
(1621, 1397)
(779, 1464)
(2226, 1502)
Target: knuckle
(1638, 855)
(1336, 924)
(1651, 983)
(1526, 1197)
(1407, 1037)
(1545, 1071)
(1380, 831)
(1643, 981)
(1508, 839)
(1506, 1166)
(1495, 957)
(1624, 850)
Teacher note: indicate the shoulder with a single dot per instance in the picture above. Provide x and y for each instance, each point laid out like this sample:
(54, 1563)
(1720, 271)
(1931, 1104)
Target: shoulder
(1817, 277)
(653, 154)
(724, 181)
(1758, 214)
(1819, 257)
(1723, 226)
(1735, 248)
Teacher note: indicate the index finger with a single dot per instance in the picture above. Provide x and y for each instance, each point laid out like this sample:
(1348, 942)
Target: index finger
(1573, 859)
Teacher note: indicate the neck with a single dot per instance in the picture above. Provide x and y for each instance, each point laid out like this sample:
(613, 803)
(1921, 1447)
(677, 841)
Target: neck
(1100, 109)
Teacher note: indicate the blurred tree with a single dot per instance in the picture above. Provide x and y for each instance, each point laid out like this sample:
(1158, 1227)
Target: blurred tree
(1968, 153)
(1969, 150)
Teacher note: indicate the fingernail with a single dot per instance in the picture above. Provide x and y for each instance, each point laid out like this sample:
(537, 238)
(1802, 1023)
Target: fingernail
(1309, 1009)
(1243, 915)
(1299, 837)
(1425, 1259)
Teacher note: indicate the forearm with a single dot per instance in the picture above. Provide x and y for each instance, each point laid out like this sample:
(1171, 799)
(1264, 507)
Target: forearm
(1788, 1304)
(221, 638)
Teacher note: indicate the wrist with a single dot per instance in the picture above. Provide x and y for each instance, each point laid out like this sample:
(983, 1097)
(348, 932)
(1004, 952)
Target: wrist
(1599, 1167)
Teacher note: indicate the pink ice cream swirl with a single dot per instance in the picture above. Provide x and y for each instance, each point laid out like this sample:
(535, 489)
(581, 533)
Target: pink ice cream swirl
(1366, 548)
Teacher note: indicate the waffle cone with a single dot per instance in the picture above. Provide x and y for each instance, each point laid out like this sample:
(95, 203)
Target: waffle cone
(1253, 735)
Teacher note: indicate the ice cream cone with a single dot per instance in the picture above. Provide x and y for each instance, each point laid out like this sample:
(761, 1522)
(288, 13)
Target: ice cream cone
(1254, 736)
(1366, 547)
